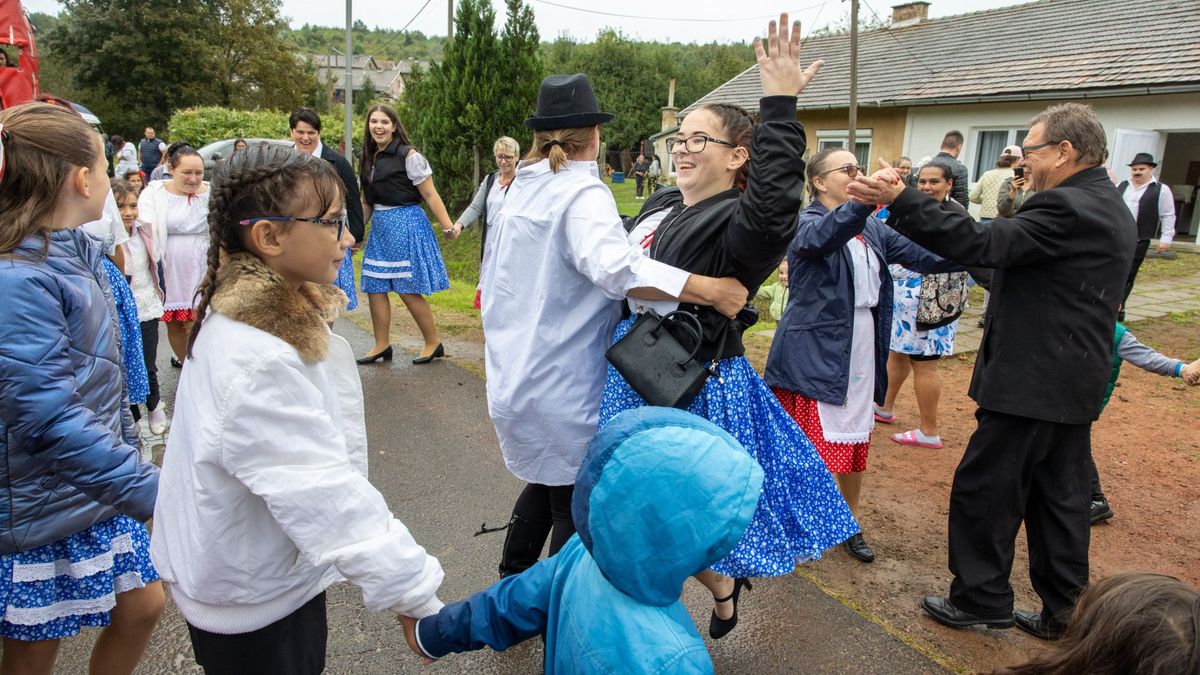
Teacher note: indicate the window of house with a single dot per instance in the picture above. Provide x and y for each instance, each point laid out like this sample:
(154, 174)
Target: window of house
(840, 138)
(989, 143)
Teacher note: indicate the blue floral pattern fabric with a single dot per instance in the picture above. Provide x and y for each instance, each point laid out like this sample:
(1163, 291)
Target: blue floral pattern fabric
(345, 280)
(52, 591)
(137, 380)
(801, 513)
(906, 339)
(402, 254)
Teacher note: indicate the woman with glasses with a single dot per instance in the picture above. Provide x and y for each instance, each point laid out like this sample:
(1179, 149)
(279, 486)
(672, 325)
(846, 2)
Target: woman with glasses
(489, 197)
(402, 254)
(732, 213)
(828, 358)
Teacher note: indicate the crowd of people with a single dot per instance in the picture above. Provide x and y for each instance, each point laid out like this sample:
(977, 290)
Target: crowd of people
(633, 483)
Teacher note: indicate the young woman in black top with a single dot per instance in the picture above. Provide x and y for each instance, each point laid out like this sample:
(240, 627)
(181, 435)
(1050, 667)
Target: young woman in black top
(402, 254)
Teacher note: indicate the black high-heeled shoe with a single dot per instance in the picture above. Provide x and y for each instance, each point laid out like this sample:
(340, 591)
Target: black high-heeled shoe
(718, 627)
(438, 353)
(176, 363)
(386, 355)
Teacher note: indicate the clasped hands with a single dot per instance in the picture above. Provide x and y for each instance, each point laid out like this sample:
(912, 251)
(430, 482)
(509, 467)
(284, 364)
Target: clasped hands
(410, 636)
(1191, 373)
(881, 187)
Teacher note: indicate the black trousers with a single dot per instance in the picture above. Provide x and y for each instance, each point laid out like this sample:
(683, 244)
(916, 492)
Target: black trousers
(640, 182)
(1017, 468)
(293, 645)
(150, 356)
(1139, 256)
(1094, 488)
(541, 511)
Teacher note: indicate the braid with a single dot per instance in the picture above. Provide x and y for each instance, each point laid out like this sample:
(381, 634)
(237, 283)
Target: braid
(255, 182)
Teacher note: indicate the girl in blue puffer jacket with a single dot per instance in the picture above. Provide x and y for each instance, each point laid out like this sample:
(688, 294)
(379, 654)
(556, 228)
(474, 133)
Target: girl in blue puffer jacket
(72, 550)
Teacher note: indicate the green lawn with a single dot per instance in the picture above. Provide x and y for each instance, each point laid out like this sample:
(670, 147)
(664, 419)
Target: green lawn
(1156, 269)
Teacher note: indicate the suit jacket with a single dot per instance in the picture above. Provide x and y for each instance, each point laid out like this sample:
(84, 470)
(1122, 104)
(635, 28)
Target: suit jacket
(354, 212)
(1061, 263)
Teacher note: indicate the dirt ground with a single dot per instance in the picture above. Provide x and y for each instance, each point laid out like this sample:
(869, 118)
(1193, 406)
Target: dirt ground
(1145, 445)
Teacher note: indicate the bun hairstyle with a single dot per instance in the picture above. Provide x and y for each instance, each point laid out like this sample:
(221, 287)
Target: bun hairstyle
(738, 127)
(816, 167)
(41, 144)
(177, 151)
(947, 172)
(559, 145)
(260, 180)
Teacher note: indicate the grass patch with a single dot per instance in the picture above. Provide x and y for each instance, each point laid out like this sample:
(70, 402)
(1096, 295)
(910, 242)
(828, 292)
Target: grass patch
(1156, 269)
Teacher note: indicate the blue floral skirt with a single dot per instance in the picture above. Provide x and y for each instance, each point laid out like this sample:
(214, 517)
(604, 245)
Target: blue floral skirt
(801, 513)
(52, 591)
(402, 254)
(137, 380)
(345, 280)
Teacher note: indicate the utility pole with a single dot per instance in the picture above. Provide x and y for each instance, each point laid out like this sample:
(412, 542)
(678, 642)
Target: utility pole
(349, 88)
(449, 20)
(854, 78)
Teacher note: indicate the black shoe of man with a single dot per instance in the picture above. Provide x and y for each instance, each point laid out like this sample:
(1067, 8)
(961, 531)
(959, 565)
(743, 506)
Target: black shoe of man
(1035, 625)
(858, 547)
(945, 613)
(1101, 511)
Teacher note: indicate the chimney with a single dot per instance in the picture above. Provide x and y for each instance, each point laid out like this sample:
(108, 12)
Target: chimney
(909, 14)
(669, 110)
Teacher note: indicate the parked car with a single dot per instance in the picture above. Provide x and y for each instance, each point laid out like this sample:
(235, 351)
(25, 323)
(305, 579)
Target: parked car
(213, 152)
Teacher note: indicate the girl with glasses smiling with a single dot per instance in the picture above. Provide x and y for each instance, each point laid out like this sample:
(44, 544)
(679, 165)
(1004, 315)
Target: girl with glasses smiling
(733, 212)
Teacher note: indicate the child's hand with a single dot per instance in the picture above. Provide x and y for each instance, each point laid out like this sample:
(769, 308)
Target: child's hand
(410, 636)
(1191, 373)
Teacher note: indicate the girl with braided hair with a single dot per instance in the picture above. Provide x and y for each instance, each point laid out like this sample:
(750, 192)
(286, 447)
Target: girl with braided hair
(733, 213)
(265, 499)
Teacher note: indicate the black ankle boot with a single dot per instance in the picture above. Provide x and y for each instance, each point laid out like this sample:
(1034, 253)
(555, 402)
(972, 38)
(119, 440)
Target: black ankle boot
(522, 545)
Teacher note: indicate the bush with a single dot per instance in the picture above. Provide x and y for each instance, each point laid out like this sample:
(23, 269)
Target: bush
(201, 126)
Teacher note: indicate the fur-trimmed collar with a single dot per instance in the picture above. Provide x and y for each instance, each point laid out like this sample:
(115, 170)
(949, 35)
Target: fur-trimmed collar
(250, 292)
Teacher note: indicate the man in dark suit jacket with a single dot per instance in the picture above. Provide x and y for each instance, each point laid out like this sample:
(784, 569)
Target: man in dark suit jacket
(1060, 266)
(305, 124)
(951, 148)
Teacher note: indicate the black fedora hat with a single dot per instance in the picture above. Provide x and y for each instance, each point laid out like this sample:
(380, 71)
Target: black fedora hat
(1143, 158)
(566, 102)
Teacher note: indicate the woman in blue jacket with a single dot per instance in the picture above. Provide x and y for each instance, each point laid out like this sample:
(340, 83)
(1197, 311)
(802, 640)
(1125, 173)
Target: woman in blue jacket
(72, 550)
(662, 494)
(830, 350)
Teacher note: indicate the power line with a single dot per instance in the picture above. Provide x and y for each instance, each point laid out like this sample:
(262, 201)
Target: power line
(896, 39)
(400, 32)
(670, 18)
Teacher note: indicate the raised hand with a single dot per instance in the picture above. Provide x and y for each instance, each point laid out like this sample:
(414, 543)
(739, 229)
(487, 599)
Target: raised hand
(881, 188)
(780, 68)
(410, 636)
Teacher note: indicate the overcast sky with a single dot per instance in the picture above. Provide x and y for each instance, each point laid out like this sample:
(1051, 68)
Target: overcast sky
(654, 20)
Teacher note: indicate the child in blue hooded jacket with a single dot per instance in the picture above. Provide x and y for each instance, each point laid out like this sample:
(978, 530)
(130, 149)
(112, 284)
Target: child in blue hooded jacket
(661, 495)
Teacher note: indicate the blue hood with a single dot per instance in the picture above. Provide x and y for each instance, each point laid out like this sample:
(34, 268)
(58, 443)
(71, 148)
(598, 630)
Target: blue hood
(662, 495)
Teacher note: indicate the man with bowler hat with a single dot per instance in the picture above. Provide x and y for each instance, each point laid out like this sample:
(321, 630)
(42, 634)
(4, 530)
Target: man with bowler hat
(1152, 205)
(1043, 367)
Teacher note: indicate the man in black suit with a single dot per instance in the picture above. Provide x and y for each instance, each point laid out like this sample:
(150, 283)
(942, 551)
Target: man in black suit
(305, 124)
(1046, 356)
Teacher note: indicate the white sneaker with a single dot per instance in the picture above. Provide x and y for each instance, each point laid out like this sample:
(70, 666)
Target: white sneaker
(158, 419)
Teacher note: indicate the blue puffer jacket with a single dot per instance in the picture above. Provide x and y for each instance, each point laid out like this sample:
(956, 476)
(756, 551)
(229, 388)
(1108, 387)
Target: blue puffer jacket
(70, 450)
(661, 495)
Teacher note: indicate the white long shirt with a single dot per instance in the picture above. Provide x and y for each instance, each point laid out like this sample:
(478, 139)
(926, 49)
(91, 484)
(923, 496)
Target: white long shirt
(1166, 207)
(550, 302)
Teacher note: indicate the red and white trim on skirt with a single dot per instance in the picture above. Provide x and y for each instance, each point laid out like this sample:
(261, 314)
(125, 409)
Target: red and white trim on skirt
(839, 457)
(178, 315)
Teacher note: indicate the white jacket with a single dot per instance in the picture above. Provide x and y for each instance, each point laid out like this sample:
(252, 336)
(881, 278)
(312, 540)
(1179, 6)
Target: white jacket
(263, 500)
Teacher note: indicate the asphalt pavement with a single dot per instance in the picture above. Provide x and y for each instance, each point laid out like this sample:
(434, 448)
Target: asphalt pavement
(435, 458)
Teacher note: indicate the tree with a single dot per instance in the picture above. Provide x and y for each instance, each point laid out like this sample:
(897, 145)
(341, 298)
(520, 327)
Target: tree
(364, 97)
(257, 65)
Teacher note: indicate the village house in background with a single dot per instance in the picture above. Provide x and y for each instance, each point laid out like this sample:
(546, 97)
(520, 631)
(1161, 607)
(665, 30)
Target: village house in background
(388, 77)
(987, 73)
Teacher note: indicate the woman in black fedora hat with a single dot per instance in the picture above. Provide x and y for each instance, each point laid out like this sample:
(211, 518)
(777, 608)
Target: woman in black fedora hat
(560, 263)
(733, 213)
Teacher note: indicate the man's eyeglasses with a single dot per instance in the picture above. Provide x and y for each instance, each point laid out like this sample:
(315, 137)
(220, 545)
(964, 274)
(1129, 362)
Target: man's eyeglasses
(695, 143)
(850, 169)
(339, 223)
(1025, 150)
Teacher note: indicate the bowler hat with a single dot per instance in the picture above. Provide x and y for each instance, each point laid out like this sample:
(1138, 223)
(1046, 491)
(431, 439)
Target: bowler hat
(1143, 158)
(566, 102)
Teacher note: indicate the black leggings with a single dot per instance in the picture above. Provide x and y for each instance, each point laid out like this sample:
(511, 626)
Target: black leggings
(150, 356)
(541, 511)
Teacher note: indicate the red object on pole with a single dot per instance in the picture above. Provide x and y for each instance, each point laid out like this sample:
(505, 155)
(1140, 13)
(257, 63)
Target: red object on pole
(18, 81)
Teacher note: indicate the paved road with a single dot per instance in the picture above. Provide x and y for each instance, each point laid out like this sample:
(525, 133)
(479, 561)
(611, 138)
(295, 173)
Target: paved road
(435, 458)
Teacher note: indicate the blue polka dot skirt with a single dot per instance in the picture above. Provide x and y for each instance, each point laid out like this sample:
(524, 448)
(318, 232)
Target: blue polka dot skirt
(345, 280)
(402, 254)
(801, 513)
(137, 380)
(52, 591)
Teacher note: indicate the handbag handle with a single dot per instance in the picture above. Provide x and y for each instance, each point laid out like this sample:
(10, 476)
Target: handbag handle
(696, 331)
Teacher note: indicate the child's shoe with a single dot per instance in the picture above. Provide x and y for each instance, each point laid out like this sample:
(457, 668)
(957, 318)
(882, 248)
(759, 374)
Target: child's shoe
(158, 419)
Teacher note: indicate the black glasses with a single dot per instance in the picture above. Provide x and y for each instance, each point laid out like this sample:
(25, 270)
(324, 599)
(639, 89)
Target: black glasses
(505, 158)
(340, 223)
(695, 143)
(850, 169)
(1025, 150)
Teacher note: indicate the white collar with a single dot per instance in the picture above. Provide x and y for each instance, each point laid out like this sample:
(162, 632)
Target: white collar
(588, 167)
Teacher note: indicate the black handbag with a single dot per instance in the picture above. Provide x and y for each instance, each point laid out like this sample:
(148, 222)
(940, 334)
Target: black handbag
(656, 365)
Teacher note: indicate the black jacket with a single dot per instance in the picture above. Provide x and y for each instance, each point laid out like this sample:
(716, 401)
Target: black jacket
(738, 234)
(354, 212)
(959, 192)
(1061, 264)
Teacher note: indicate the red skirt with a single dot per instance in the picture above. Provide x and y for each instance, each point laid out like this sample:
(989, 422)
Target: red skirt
(177, 315)
(839, 457)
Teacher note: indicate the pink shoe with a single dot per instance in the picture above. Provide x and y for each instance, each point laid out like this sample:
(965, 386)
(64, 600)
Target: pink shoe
(158, 420)
(883, 417)
(912, 437)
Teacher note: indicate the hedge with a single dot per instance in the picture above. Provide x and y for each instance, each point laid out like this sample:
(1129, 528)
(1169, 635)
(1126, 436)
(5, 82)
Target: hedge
(201, 126)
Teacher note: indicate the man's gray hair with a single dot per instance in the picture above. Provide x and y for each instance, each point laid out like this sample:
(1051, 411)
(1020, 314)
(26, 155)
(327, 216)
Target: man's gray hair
(1078, 123)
